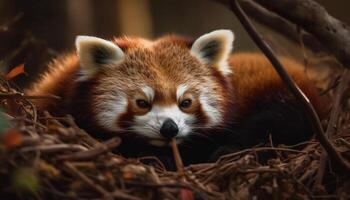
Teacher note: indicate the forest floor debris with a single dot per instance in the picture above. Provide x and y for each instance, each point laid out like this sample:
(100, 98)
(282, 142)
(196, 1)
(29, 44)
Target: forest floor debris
(47, 157)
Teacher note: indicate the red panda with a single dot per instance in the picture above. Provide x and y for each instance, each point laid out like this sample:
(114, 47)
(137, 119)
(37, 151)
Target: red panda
(175, 87)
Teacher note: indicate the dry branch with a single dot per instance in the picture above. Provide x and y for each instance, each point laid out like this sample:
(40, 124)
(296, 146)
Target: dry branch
(21, 95)
(332, 34)
(313, 18)
(278, 24)
(93, 153)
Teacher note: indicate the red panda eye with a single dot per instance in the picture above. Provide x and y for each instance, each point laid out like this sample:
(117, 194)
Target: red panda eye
(186, 103)
(142, 104)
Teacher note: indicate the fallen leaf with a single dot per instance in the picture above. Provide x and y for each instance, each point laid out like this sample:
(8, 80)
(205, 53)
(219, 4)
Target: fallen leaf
(12, 138)
(186, 194)
(15, 72)
(128, 175)
(25, 180)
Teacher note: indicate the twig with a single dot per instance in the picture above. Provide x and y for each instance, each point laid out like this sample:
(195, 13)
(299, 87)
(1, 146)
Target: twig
(85, 179)
(227, 158)
(21, 95)
(303, 50)
(55, 148)
(339, 99)
(29, 121)
(345, 142)
(5, 27)
(94, 152)
(259, 170)
(177, 158)
(292, 87)
(258, 149)
(331, 87)
(160, 163)
(121, 195)
(224, 169)
(275, 190)
(82, 133)
(158, 185)
(342, 89)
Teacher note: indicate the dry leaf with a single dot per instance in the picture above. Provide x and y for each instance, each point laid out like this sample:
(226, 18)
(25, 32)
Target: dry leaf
(26, 181)
(12, 138)
(186, 194)
(15, 72)
(49, 169)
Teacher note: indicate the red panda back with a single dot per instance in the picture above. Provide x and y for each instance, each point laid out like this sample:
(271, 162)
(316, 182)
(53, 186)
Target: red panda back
(264, 106)
(254, 78)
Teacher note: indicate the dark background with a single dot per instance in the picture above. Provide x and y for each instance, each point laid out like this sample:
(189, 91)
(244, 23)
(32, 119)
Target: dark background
(35, 31)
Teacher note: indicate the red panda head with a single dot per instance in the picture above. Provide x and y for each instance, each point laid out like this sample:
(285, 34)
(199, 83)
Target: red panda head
(158, 89)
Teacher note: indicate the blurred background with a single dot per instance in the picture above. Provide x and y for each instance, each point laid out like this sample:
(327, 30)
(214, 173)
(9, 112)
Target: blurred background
(35, 31)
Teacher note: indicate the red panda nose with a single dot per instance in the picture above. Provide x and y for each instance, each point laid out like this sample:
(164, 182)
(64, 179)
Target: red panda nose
(169, 129)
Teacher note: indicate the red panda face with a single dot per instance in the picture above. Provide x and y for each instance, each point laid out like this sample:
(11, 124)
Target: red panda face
(158, 89)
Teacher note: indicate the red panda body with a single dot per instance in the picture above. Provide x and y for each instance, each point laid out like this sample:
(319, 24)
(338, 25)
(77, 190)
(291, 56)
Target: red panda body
(145, 91)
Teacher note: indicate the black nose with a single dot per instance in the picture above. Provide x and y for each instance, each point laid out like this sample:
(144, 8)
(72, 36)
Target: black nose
(169, 129)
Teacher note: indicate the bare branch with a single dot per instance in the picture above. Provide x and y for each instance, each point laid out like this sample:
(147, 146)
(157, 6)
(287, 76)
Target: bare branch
(280, 25)
(94, 152)
(313, 18)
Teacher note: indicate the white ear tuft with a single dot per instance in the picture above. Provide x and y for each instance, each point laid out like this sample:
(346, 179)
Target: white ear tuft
(214, 48)
(95, 52)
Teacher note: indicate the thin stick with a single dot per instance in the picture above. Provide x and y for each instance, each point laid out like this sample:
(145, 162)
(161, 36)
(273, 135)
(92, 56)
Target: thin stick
(85, 179)
(94, 152)
(291, 85)
(117, 194)
(258, 149)
(52, 148)
(5, 27)
(333, 121)
(177, 158)
(21, 95)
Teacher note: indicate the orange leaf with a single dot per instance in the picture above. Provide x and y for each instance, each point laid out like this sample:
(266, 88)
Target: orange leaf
(12, 138)
(128, 175)
(15, 72)
(186, 194)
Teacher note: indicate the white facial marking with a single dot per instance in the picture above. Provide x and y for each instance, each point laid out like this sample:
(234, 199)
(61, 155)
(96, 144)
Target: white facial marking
(149, 92)
(109, 110)
(181, 89)
(150, 124)
(211, 111)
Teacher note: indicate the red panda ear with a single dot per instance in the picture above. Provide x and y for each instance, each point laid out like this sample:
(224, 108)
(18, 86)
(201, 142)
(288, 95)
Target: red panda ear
(214, 48)
(94, 53)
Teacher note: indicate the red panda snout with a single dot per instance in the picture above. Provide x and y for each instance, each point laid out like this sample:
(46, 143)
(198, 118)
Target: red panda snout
(151, 124)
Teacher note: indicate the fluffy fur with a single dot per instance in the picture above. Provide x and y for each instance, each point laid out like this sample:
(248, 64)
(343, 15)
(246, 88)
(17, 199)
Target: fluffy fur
(235, 99)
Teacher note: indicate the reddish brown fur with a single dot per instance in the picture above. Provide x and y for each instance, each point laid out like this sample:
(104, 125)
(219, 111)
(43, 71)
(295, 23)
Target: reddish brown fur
(57, 81)
(253, 79)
